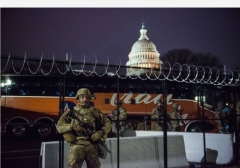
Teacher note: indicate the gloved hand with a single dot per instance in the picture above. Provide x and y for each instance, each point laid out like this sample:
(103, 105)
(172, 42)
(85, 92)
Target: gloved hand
(97, 135)
(104, 137)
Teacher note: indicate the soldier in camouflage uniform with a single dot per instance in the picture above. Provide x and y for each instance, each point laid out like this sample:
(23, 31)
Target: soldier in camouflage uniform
(83, 147)
(157, 114)
(122, 116)
(176, 118)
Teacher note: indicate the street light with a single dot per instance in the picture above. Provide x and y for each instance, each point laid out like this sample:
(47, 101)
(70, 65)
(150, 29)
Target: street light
(7, 83)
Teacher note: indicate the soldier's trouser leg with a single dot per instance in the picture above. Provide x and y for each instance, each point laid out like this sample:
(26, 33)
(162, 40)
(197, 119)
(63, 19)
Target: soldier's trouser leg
(158, 127)
(122, 130)
(220, 127)
(114, 129)
(92, 158)
(76, 156)
(174, 125)
(177, 128)
(174, 128)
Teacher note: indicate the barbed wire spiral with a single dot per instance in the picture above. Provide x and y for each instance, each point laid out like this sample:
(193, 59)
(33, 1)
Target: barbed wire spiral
(176, 72)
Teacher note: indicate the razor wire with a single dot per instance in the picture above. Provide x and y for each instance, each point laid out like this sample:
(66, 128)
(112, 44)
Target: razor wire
(176, 72)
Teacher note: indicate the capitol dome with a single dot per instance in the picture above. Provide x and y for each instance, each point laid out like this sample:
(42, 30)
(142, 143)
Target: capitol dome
(143, 45)
(144, 57)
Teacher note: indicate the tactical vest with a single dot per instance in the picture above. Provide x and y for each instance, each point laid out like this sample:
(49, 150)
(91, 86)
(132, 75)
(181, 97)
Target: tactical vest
(173, 114)
(85, 115)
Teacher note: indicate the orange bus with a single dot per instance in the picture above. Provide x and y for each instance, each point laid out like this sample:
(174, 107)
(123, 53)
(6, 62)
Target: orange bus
(31, 104)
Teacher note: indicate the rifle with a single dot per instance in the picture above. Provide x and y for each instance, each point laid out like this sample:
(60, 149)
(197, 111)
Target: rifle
(89, 128)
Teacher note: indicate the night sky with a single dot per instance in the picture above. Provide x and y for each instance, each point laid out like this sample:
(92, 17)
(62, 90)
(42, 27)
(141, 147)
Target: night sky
(112, 32)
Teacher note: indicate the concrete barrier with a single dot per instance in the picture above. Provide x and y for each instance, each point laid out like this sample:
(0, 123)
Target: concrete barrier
(219, 147)
(50, 154)
(135, 152)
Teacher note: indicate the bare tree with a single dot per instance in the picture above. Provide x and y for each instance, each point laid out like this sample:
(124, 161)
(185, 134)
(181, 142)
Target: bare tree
(186, 56)
(180, 56)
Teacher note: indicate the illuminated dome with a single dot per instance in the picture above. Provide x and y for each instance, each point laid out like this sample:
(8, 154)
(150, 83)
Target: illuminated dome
(143, 45)
(143, 56)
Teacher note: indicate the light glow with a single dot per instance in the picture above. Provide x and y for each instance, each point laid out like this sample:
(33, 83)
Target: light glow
(9, 82)
(198, 98)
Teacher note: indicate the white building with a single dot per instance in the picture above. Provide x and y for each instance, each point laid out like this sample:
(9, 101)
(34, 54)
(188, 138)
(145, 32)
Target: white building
(144, 57)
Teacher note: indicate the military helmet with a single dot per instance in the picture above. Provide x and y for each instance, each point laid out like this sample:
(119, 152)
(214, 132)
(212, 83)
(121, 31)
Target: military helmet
(175, 106)
(118, 101)
(83, 91)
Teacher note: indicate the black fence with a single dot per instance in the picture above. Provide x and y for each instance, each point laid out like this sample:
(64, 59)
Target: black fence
(34, 93)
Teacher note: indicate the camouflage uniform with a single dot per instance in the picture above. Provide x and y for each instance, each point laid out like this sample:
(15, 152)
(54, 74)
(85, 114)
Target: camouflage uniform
(176, 118)
(141, 126)
(83, 147)
(129, 126)
(157, 113)
(122, 116)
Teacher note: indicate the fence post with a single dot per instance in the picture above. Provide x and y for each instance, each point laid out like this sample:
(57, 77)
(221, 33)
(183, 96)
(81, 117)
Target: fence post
(164, 89)
(61, 111)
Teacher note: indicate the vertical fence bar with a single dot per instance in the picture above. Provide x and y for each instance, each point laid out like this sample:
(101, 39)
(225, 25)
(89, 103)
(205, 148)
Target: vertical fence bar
(118, 146)
(236, 130)
(61, 111)
(203, 125)
(164, 88)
